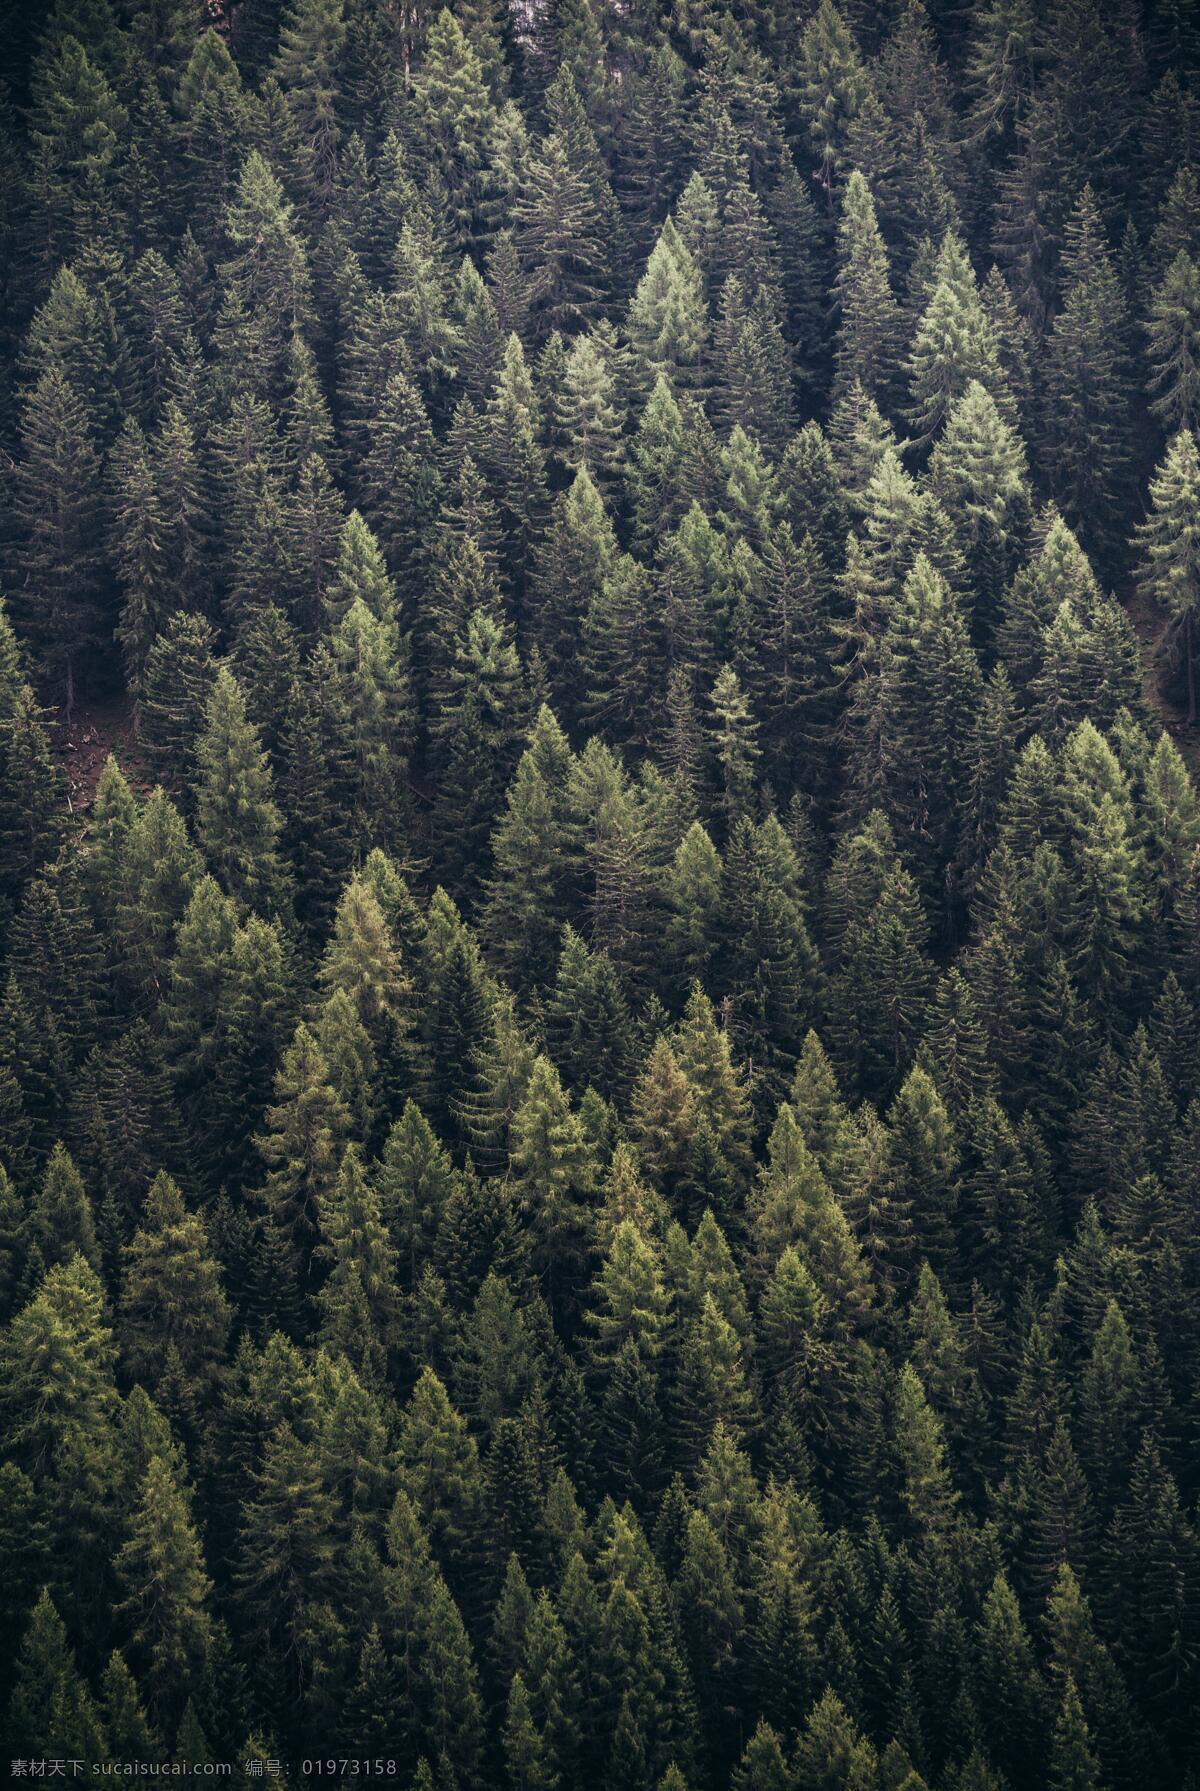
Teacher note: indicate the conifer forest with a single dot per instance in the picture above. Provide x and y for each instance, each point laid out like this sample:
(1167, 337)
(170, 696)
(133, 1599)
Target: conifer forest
(600, 893)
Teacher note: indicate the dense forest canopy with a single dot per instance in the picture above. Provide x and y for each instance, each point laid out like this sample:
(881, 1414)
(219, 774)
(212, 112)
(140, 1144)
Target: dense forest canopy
(600, 1096)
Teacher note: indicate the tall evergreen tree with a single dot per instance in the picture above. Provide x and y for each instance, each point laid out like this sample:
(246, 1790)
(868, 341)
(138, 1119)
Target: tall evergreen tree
(1086, 448)
(668, 316)
(1171, 544)
(453, 121)
(51, 1705)
(307, 1124)
(174, 1313)
(869, 319)
(162, 1569)
(236, 816)
(60, 507)
(531, 852)
(306, 62)
(1174, 345)
(954, 344)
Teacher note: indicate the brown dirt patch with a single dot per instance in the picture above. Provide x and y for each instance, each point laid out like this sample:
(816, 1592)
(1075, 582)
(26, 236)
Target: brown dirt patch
(97, 729)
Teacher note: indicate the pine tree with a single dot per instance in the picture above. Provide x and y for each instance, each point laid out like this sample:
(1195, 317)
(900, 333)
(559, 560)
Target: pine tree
(152, 877)
(178, 680)
(884, 981)
(266, 280)
(712, 1618)
(560, 240)
(588, 1020)
(51, 1706)
(75, 133)
(1111, 1382)
(753, 367)
(833, 84)
(1085, 444)
(659, 481)
(453, 121)
(1173, 330)
(286, 1560)
(785, 651)
(668, 316)
(1109, 891)
(830, 1750)
(415, 1178)
(358, 1302)
(514, 460)
(360, 574)
(712, 1382)
(954, 343)
(363, 960)
(926, 1490)
(162, 1570)
(1171, 544)
(578, 554)
(592, 406)
(1015, 1703)
(129, 1732)
(58, 1358)
(439, 1469)
(629, 1302)
(157, 329)
(926, 694)
(529, 1760)
(531, 853)
(61, 1221)
(869, 320)
(735, 747)
(191, 1743)
(926, 1157)
(306, 66)
(481, 340)
(1014, 342)
(346, 1046)
(12, 1240)
(1078, 1654)
(173, 1310)
(554, 1171)
(59, 505)
(306, 1127)
(1027, 228)
(400, 481)
(693, 896)
(219, 121)
(769, 966)
(621, 680)
(762, 1766)
(1073, 1765)
(237, 820)
(31, 792)
(978, 472)
(371, 698)
(204, 945)
(422, 292)
(137, 532)
(51, 931)
(505, 278)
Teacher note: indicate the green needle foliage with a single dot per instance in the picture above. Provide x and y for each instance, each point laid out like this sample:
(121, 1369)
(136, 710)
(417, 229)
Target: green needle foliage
(600, 892)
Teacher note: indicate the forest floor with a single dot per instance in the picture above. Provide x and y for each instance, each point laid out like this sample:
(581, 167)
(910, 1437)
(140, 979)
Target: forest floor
(97, 729)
